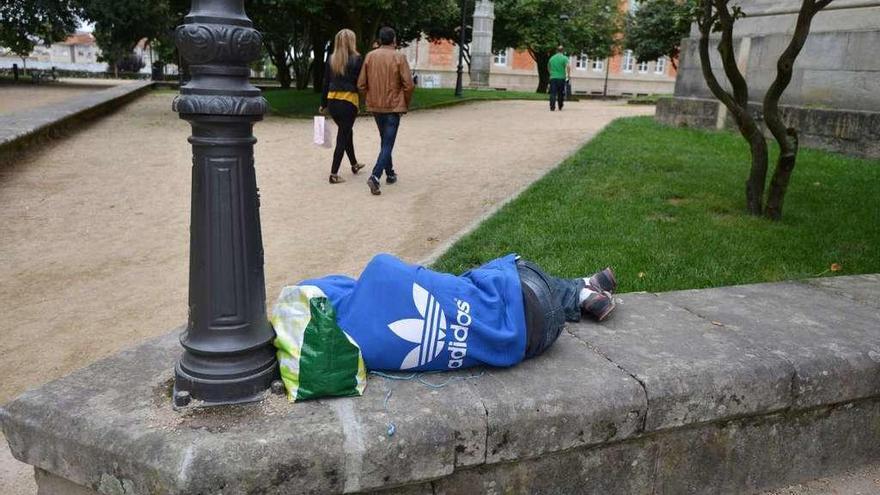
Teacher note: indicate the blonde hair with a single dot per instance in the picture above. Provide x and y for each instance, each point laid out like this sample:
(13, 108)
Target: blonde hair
(344, 47)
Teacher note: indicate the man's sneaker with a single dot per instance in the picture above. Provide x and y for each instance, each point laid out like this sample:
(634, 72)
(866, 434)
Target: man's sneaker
(603, 281)
(373, 182)
(599, 305)
(391, 178)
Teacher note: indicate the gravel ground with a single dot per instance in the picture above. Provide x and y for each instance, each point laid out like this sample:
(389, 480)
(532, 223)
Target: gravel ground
(95, 226)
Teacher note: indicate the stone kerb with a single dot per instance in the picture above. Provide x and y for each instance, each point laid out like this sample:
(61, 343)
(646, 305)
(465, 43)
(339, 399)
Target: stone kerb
(707, 391)
(17, 128)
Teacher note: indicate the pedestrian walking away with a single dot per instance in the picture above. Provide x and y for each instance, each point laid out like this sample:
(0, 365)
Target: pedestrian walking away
(560, 72)
(387, 82)
(340, 98)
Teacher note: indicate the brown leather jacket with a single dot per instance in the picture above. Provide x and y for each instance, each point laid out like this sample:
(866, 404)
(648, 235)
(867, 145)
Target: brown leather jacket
(386, 80)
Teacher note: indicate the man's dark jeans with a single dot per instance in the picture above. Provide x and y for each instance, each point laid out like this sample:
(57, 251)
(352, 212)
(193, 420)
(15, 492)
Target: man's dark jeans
(388, 123)
(548, 303)
(557, 93)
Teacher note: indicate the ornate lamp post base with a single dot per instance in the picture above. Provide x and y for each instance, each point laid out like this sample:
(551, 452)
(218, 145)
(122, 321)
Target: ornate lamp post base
(228, 354)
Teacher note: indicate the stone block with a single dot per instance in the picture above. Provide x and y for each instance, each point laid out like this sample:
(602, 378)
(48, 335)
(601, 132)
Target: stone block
(828, 339)
(693, 370)
(688, 112)
(568, 397)
(112, 423)
(744, 455)
(862, 288)
(622, 468)
(754, 454)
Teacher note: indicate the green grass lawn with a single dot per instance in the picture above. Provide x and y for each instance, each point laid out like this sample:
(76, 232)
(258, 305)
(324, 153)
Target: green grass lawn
(665, 208)
(295, 103)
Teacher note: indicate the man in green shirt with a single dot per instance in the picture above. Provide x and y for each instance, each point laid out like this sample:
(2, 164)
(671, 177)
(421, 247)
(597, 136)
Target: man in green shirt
(560, 71)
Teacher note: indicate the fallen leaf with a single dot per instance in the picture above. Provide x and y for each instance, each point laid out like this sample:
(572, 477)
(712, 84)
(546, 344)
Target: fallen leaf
(717, 323)
(641, 274)
(835, 267)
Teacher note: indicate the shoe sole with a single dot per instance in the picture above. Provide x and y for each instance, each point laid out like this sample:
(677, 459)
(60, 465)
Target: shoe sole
(608, 310)
(374, 188)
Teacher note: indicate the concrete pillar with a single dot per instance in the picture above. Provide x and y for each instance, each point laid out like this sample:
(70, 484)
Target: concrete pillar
(481, 46)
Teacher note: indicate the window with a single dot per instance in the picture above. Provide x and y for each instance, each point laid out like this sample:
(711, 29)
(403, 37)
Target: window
(581, 62)
(660, 67)
(643, 67)
(500, 57)
(598, 65)
(628, 61)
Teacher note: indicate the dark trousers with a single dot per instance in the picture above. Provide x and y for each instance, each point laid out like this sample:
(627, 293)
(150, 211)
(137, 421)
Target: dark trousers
(343, 113)
(548, 302)
(388, 123)
(557, 93)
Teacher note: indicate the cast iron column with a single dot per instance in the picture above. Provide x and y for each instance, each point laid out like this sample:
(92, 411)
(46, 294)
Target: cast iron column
(228, 355)
(461, 41)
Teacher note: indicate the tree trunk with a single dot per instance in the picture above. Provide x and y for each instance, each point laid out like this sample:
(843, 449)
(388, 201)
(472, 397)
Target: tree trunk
(758, 170)
(319, 44)
(542, 59)
(779, 184)
(283, 75)
(786, 137)
(738, 102)
(282, 65)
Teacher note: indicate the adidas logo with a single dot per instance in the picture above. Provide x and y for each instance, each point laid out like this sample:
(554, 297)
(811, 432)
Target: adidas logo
(429, 332)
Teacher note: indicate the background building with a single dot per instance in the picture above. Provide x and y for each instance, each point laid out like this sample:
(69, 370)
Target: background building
(436, 62)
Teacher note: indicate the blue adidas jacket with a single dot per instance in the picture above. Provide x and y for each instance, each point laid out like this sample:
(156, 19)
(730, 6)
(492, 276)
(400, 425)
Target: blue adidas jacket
(407, 317)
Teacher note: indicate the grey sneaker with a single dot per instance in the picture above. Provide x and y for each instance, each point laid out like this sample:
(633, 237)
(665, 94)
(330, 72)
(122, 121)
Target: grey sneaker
(373, 182)
(599, 305)
(603, 281)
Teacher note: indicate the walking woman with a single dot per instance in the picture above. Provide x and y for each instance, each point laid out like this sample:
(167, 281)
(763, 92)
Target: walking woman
(340, 98)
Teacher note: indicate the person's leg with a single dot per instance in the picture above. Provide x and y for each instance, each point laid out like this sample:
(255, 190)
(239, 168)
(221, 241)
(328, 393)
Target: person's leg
(549, 301)
(560, 93)
(351, 112)
(552, 92)
(342, 117)
(381, 123)
(390, 137)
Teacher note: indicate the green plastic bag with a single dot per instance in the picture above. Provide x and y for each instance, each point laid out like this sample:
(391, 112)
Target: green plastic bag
(317, 358)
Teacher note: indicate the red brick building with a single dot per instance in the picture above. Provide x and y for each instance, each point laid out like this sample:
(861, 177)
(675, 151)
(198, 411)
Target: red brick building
(436, 64)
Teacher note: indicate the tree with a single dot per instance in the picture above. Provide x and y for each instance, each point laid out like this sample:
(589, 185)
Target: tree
(655, 30)
(286, 25)
(718, 16)
(120, 24)
(23, 23)
(539, 26)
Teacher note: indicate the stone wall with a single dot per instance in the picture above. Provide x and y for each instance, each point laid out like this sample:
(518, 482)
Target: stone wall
(715, 391)
(846, 131)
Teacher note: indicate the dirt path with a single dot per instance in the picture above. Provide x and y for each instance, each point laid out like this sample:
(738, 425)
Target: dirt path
(94, 236)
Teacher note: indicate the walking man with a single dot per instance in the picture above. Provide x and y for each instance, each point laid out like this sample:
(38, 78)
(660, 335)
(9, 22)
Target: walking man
(560, 71)
(387, 82)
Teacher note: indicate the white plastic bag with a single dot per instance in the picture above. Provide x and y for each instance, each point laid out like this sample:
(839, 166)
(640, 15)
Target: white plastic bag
(323, 136)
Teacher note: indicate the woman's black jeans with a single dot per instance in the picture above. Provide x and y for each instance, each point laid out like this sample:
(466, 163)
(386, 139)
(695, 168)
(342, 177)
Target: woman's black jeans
(343, 113)
(548, 302)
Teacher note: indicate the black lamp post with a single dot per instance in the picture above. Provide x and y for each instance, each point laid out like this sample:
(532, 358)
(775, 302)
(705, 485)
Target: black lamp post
(228, 356)
(461, 42)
